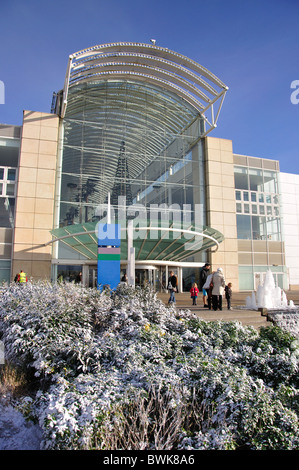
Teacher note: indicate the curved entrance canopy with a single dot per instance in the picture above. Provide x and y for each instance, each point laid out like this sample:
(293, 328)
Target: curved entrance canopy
(200, 91)
(151, 243)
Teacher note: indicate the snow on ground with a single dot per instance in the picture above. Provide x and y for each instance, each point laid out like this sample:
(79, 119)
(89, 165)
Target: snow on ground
(15, 432)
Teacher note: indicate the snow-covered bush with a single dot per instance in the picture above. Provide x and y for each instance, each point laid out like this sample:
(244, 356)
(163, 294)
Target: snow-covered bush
(287, 320)
(123, 370)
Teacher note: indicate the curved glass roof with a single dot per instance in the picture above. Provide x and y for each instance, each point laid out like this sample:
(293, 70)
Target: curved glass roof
(132, 113)
(157, 101)
(172, 73)
(173, 244)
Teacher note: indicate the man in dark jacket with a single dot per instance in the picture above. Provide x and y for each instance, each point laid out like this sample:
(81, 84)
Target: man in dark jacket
(172, 286)
(202, 279)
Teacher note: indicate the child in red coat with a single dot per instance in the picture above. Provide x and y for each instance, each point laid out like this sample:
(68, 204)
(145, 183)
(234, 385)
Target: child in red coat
(194, 293)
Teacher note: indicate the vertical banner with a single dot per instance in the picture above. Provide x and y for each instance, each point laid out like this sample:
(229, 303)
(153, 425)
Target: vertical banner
(108, 256)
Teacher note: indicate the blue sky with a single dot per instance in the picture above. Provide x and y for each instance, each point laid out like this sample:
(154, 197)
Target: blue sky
(252, 46)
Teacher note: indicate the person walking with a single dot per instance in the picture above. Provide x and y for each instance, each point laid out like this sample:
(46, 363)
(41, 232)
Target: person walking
(172, 283)
(218, 289)
(202, 279)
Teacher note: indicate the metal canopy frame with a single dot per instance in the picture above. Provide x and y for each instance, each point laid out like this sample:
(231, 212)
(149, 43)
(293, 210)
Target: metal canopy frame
(159, 66)
(183, 243)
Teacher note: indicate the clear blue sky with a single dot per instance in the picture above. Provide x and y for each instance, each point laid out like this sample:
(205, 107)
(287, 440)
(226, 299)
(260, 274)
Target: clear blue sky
(251, 45)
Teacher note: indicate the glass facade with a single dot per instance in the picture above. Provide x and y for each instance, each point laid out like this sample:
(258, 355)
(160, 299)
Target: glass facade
(257, 204)
(134, 142)
(133, 116)
(9, 156)
(125, 139)
(258, 222)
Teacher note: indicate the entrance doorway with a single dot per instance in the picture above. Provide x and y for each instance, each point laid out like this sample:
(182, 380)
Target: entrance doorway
(92, 277)
(147, 275)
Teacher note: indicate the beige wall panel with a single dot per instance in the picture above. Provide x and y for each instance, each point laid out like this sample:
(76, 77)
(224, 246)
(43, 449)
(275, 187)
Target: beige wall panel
(245, 258)
(35, 195)
(275, 247)
(45, 176)
(231, 258)
(46, 161)
(27, 175)
(32, 117)
(215, 192)
(31, 131)
(43, 220)
(26, 189)
(260, 258)
(41, 236)
(229, 193)
(229, 206)
(48, 133)
(29, 160)
(48, 148)
(214, 168)
(214, 155)
(230, 231)
(244, 245)
(227, 181)
(44, 206)
(226, 157)
(25, 220)
(49, 120)
(229, 219)
(231, 244)
(45, 190)
(26, 204)
(41, 270)
(218, 260)
(30, 145)
(216, 205)
(23, 235)
(219, 172)
(259, 246)
(42, 253)
(294, 287)
(213, 143)
(276, 258)
(226, 146)
(24, 252)
(226, 168)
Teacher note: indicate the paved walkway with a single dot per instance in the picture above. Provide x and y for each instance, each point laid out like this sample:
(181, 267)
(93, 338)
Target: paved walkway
(245, 316)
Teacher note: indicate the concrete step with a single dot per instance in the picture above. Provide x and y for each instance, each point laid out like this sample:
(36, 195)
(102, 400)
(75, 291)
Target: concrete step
(243, 315)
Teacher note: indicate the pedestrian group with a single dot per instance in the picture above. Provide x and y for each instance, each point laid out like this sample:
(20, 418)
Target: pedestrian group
(212, 285)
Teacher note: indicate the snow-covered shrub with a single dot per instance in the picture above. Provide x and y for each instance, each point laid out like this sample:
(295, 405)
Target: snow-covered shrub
(124, 364)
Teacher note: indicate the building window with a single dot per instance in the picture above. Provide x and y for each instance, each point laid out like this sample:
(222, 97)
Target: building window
(7, 181)
(256, 192)
(8, 178)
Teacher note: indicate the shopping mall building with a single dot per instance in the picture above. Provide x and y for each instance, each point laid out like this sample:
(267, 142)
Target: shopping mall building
(129, 140)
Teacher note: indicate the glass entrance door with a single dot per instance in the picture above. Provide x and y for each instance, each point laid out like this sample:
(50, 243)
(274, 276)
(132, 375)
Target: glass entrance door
(92, 277)
(147, 276)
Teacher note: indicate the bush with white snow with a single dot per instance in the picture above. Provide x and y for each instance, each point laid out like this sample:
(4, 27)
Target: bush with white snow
(124, 371)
